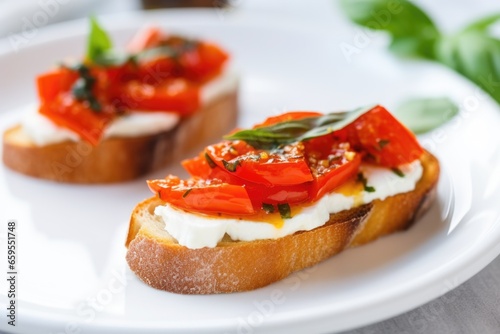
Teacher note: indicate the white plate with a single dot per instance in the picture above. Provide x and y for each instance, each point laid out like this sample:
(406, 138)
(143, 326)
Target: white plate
(71, 251)
(28, 15)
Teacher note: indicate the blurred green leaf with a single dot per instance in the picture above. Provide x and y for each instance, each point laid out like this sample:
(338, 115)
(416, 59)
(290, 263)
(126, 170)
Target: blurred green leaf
(472, 52)
(413, 32)
(424, 114)
(484, 23)
(476, 55)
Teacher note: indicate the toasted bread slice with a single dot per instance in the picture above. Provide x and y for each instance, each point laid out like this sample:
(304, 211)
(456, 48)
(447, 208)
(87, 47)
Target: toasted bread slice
(234, 266)
(118, 159)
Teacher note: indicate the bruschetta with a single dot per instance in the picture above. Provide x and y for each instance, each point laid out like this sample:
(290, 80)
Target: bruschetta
(280, 197)
(114, 116)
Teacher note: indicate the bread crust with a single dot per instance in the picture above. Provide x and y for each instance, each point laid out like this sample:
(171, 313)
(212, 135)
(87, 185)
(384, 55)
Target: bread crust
(118, 159)
(232, 266)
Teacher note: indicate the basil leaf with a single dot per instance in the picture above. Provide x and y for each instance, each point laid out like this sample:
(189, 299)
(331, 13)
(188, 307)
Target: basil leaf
(331, 122)
(268, 137)
(424, 114)
(413, 33)
(476, 56)
(98, 41)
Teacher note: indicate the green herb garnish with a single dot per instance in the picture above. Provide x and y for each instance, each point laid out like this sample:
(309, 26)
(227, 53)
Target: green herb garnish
(398, 172)
(285, 211)
(363, 180)
(268, 208)
(272, 136)
(82, 88)
(186, 193)
(231, 166)
(370, 157)
(209, 160)
(383, 143)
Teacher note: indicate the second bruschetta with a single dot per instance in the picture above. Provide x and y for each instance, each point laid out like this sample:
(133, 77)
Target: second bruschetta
(115, 116)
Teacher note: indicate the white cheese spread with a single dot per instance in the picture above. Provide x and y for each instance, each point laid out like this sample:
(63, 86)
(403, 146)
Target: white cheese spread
(198, 231)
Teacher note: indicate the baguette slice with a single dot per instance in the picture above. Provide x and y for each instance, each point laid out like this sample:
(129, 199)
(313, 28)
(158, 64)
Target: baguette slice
(235, 266)
(118, 159)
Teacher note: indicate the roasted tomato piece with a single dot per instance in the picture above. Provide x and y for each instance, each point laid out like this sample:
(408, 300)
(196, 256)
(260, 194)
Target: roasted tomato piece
(198, 166)
(203, 62)
(145, 38)
(157, 70)
(332, 163)
(282, 166)
(386, 141)
(195, 60)
(52, 83)
(290, 194)
(176, 95)
(59, 102)
(205, 196)
(78, 116)
(258, 193)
